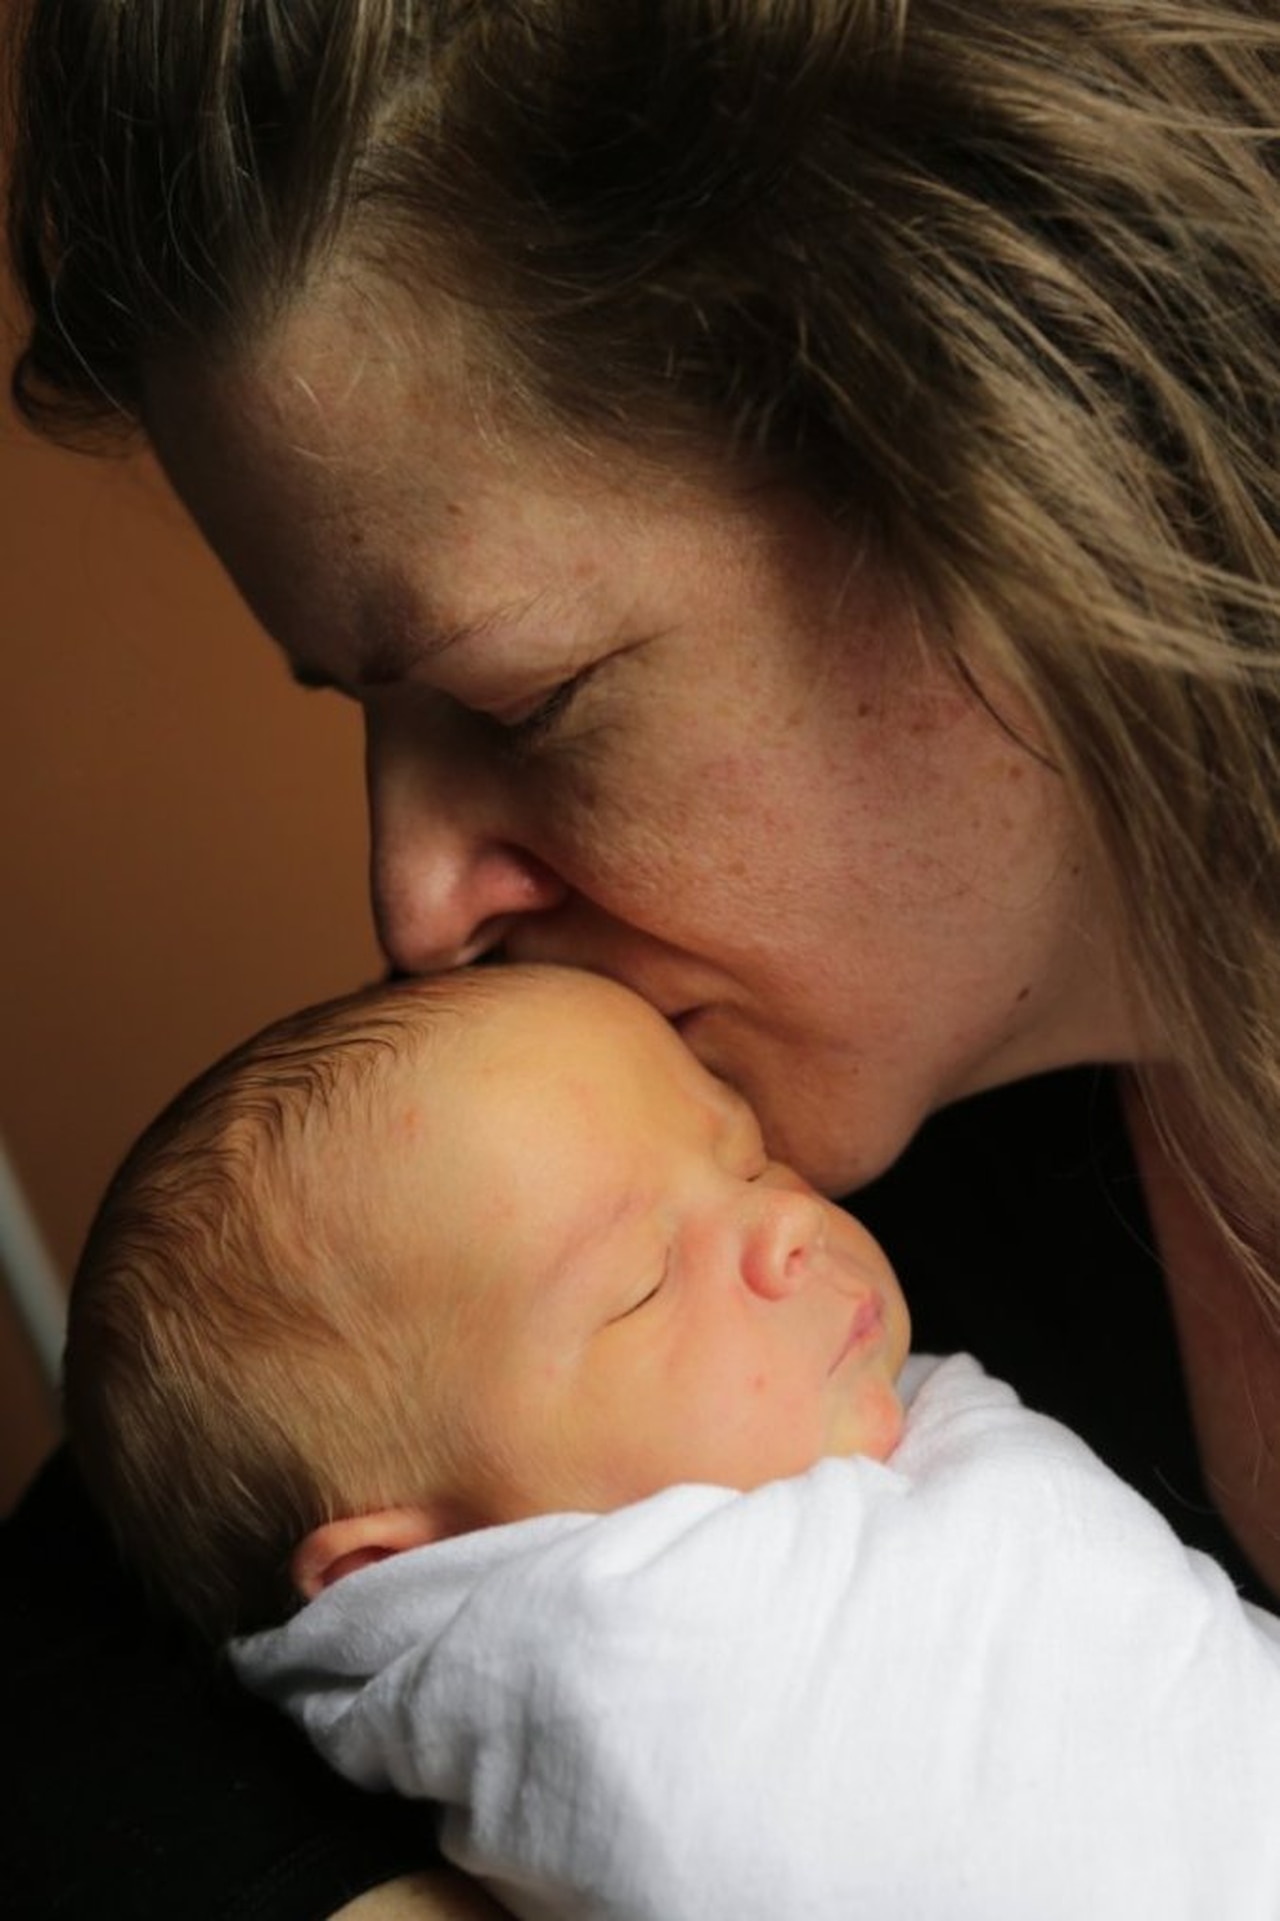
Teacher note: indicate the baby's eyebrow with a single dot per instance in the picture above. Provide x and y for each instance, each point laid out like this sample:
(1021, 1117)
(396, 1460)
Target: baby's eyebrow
(734, 1107)
(738, 1117)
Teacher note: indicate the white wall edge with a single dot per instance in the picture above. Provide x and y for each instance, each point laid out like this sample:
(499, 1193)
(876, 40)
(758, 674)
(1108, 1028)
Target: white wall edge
(33, 1280)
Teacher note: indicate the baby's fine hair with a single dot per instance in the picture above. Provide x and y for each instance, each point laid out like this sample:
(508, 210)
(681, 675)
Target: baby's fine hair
(236, 1372)
(996, 282)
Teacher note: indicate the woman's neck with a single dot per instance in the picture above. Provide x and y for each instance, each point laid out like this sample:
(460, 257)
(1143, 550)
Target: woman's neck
(1230, 1349)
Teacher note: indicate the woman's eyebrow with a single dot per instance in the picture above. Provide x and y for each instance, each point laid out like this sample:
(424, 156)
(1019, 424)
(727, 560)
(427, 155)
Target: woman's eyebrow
(312, 678)
(392, 657)
(390, 660)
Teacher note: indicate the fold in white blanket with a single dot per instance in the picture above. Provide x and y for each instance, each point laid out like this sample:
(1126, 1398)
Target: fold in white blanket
(982, 1683)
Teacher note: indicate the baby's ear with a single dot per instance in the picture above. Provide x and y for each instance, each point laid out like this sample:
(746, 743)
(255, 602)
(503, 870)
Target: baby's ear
(340, 1547)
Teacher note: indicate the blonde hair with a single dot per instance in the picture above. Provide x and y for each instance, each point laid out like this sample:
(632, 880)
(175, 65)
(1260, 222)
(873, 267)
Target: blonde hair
(998, 284)
(237, 1368)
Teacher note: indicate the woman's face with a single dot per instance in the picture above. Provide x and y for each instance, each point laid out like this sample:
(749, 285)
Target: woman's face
(667, 727)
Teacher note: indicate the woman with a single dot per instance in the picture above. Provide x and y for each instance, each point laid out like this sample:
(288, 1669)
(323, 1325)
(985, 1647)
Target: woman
(793, 486)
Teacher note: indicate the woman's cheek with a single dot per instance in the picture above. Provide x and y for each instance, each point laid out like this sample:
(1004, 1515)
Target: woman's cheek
(623, 823)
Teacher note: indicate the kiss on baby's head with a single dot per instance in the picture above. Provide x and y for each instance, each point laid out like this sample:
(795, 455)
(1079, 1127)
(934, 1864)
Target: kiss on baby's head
(446, 1254)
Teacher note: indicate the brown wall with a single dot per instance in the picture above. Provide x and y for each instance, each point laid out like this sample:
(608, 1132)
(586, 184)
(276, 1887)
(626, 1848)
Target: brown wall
(182, 852)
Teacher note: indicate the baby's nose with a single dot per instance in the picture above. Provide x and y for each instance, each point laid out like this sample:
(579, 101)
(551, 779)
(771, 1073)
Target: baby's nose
(781, 1239)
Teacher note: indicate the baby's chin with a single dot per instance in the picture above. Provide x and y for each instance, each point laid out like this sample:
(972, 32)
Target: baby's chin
(873, 1426)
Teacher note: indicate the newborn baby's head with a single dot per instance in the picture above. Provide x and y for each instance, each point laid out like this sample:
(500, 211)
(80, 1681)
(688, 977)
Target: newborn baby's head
(447, 1254)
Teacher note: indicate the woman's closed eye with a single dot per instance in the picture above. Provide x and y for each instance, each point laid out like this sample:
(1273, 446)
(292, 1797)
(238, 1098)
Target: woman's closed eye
(531, 730)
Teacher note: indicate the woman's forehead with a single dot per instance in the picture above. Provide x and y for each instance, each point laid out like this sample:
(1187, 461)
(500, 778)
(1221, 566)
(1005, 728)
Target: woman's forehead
(365, 506)
(345, 377)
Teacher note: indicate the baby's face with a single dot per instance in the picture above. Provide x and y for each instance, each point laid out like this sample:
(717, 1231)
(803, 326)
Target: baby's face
(630, 1293)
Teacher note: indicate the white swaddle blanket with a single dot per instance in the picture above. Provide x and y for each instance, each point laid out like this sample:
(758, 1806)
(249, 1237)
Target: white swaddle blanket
(983, 1682)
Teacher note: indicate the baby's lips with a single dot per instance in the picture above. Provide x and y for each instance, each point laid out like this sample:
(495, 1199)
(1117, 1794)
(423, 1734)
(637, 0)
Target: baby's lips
(866, 1324)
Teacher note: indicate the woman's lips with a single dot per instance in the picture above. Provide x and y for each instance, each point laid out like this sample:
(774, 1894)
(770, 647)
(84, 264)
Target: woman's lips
(865, 1328)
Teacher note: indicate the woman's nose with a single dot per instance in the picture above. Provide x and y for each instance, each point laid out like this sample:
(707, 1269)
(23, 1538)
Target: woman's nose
(782, 1236)
(447, 884)
(444, 899)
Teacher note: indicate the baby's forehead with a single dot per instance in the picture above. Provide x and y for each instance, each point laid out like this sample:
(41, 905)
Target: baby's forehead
(403, 1062)
(530, 1002)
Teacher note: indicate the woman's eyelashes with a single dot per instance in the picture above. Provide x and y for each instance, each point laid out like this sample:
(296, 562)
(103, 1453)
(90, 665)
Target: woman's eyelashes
(533, 729)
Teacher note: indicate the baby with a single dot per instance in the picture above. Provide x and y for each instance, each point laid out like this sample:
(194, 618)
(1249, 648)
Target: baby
(450, 1254)
(474, 1314)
